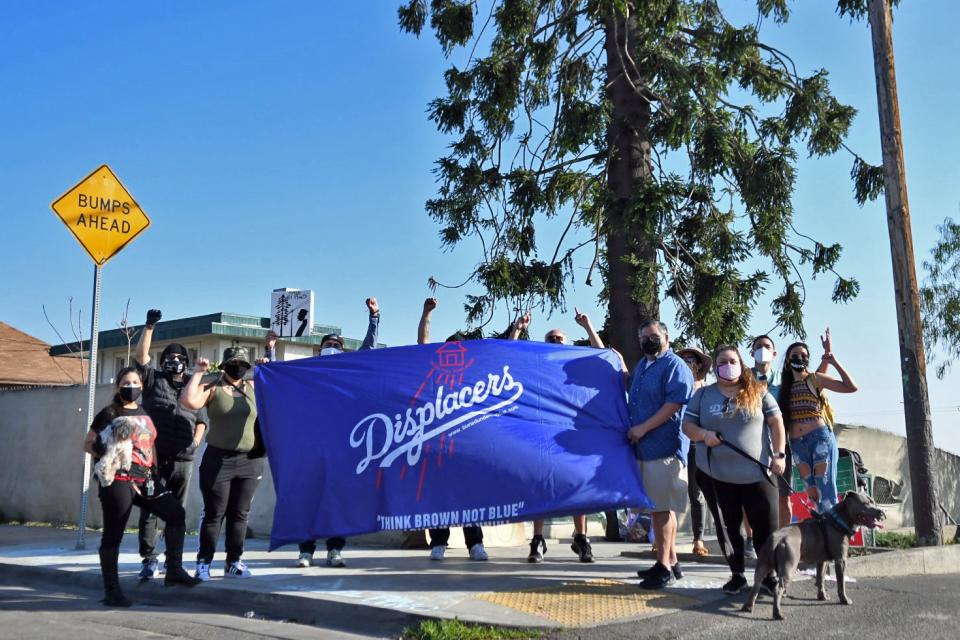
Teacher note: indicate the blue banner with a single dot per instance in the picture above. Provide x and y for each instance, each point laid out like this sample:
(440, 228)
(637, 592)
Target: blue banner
(472, 432)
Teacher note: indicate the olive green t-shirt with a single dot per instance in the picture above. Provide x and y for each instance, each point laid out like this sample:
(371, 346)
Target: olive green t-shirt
(232, 419)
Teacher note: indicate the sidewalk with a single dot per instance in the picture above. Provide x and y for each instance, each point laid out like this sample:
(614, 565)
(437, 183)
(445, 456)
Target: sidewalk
(382, 589)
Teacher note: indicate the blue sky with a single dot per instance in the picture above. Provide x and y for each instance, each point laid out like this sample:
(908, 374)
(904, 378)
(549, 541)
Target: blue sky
(287, 145)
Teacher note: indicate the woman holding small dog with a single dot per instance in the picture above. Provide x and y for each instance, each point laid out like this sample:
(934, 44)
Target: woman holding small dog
(232, 464)
(737, 410)
(807, 415)
(125, 419)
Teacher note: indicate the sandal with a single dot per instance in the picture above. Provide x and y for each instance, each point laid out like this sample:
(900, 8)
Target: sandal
(699, 549)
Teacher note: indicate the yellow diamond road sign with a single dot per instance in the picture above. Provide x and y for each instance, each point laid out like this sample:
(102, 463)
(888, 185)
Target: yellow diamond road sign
(101, 214)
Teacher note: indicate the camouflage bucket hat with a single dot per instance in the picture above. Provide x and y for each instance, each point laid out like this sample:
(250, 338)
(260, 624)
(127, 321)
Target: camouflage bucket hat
(236, 354)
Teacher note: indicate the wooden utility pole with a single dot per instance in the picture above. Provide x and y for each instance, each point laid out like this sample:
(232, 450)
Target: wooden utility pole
(920, 449)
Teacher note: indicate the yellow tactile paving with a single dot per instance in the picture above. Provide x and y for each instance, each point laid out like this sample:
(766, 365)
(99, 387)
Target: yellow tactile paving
(574, 604)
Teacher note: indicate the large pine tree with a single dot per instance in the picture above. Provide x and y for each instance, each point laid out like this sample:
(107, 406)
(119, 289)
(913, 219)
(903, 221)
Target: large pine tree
(661, 135)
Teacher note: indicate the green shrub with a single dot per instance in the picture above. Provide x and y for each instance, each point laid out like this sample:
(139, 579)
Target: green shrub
(456, 630)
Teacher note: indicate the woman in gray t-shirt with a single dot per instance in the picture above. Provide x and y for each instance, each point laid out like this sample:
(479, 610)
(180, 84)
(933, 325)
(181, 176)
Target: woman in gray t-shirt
(739, 409)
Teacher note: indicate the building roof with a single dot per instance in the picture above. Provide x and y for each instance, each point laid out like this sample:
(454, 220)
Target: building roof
(25, 361)
(228, 325)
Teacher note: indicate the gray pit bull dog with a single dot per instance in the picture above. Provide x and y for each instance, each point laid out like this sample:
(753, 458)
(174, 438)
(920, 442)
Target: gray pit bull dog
(816, 542)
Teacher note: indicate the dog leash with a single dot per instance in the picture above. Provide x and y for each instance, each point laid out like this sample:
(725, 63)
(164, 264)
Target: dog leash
(749, 457)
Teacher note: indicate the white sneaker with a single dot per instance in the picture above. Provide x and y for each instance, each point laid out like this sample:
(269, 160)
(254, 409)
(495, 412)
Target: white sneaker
(237, 569)
(305, 560)
(203, 572)
(334, 559)
(477, 552)
(437, 552)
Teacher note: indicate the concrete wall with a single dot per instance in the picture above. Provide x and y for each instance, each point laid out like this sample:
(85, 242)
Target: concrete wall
(41, 466)
(885, 454)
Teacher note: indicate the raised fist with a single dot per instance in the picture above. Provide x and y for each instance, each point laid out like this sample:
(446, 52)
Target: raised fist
(581, 319)
(429, 304)
(522, 322)
(153, 317)
(373, 306)
(202, 365)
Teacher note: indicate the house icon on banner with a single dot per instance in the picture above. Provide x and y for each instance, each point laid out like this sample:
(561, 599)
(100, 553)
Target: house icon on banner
(452, 355)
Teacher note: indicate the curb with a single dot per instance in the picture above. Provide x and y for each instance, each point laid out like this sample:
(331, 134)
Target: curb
(343, 616)
(925, 561)
(885, 564)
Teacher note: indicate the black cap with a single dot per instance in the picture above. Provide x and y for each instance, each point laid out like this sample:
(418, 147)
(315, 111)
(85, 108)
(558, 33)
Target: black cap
(332, 336)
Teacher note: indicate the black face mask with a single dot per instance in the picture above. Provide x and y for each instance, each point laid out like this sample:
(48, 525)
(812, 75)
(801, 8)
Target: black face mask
(798, 363)
(173, 367)
(130, 394)
(651, 346)
(235, 371)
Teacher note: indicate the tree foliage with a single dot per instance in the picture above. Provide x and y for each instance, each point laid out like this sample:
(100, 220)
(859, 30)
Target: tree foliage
(534, 133)
(940, 298)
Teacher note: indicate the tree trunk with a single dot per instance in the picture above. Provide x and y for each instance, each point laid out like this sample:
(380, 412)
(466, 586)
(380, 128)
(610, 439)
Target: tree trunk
(627, 167)
(916, 402)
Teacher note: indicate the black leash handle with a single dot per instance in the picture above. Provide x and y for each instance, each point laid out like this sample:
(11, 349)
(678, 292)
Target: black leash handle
(746, 455)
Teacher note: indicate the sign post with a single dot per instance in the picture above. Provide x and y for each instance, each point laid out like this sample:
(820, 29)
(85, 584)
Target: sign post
(104, 218)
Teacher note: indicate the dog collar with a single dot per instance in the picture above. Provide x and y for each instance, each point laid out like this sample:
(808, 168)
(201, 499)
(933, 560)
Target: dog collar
(837, 520)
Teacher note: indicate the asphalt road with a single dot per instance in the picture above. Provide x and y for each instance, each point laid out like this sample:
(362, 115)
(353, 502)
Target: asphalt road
(43, 612)
(926, 607)
(921, 607)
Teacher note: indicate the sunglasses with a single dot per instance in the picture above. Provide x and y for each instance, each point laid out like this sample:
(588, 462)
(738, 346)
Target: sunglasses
(555, 339)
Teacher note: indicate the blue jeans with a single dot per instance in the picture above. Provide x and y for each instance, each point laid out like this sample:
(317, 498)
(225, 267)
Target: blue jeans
(818, 447)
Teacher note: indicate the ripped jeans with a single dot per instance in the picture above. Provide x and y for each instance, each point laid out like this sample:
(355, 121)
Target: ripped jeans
(815, 457)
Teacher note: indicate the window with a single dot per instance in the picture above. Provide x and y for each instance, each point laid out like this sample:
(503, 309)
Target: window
(118, 364)
(193, 355)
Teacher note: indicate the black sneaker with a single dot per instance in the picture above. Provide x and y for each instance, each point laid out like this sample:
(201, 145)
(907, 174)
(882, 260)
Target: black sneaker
(735, 585)
(771, 584)
(536, 545)
(581, 547)
(677, 571)
(658, 578)
(649, 571)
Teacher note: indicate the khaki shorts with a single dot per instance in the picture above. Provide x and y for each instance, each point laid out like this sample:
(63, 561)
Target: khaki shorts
(665, 481)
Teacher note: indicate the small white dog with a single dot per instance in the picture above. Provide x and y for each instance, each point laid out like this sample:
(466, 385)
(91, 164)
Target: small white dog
(119, 454)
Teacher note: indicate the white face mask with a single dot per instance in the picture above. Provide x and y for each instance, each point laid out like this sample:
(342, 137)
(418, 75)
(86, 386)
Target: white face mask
(330, 351)
(763, 355)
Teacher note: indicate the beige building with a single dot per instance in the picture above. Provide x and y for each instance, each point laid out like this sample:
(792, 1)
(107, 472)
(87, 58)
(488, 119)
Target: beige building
(203, 336)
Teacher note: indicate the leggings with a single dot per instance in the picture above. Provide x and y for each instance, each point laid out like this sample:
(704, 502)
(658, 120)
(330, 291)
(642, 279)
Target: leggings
(118, 500)
(728, 502)
(818, 447)
(228, 480)
(471, 535)
(695, 495)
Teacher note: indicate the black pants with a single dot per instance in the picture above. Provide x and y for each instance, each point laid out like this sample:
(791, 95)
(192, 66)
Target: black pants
(175, 475)
(471, 535)
(695, 495)
(228, 480)
(728, 502)
(332, 543)
(118, 501)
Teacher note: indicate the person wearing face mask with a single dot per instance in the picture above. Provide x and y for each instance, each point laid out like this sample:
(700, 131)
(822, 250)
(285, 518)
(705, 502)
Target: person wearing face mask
(330, 345)
(136, 486)
(232, 464)
(699, 364)
(660, 387)
(179, 430)
(739, 410)
(804, 406)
